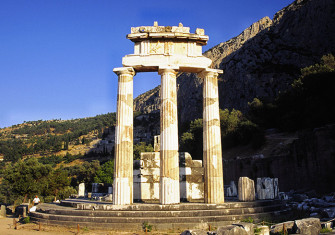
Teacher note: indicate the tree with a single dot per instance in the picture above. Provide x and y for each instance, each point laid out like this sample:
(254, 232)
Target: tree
(24, 178)
(141, 147)
(106, 173)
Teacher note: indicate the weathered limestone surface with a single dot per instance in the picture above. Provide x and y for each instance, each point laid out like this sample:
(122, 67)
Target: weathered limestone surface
(147, 174)
(194, 232)
(246, 189)
(167, 46)
(191, 174)
(169, 162)
(267, 188)
(95, 187)
(231, 190)
(123, 170)
(264, 230)
(231, 230)
(3, 211)
(157, 143)
(212, 152)
(146, 177)
(81, 190)
(308, 226)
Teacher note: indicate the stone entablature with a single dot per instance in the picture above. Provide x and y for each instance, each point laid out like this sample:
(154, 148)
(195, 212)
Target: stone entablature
(162, 46)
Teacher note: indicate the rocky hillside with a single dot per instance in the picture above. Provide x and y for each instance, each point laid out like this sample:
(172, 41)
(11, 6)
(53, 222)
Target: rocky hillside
(260, 62)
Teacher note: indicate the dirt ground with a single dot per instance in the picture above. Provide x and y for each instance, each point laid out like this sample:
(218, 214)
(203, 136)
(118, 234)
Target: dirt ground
(7, 228)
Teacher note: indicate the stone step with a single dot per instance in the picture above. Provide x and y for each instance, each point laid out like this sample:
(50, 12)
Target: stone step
(194, 219)
(134, 223)
(89, 205)
(149, 213)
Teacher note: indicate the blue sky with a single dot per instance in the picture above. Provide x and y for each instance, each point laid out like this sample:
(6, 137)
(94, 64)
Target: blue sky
(57, 56)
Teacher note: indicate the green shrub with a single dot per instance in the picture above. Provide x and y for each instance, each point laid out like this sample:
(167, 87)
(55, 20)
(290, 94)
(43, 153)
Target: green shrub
(66, 192)
(326, 230)
(248, 220)
(146, 227)
(26, 220)
(48, 199)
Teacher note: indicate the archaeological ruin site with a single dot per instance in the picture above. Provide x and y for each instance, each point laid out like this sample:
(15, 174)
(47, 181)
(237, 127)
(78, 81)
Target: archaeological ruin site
(167, 188)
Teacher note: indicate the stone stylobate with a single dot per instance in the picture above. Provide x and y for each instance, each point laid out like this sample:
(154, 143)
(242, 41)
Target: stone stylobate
(167, 50)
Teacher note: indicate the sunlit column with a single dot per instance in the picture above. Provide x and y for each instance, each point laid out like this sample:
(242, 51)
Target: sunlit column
(123, 162)
(169, 192)
(212, 152)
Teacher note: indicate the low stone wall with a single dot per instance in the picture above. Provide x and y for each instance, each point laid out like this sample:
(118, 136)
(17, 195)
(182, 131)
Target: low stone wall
(146, 178)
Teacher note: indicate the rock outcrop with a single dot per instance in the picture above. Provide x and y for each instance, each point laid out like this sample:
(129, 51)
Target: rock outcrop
(309, 159)
(260, 62)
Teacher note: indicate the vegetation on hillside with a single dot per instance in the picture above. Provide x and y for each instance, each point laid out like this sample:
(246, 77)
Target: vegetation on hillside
(45, 137)
(236, 130)
(308, 104)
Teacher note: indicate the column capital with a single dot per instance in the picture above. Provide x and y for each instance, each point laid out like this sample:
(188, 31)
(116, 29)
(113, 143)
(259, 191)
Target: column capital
(210, 72)
(165, 69)
(124, 70)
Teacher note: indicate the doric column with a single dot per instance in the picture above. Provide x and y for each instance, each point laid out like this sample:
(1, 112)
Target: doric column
(123, 161)
(212, 152)
(169, 192)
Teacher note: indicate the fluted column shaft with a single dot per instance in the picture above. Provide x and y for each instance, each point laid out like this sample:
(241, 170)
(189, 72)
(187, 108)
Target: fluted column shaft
(169, 192)
(123, 161)
(212, 152)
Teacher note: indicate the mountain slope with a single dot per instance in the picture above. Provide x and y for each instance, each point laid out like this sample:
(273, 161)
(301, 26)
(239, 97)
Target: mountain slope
(262, 61)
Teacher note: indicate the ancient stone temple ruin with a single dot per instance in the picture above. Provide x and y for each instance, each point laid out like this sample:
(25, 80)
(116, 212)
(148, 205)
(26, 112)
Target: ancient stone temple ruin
(168, 51)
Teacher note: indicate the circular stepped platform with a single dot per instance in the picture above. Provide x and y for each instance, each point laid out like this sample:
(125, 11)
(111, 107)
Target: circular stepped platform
(162, 217)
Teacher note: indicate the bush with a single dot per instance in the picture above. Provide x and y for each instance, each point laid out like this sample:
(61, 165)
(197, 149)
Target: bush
(326, 230)
(66, 192)
(48, 199)
(146, 227)
(26, 220)
(141, 147)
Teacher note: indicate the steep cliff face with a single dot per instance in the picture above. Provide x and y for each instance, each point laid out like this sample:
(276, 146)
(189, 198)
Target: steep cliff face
(307, 162)
(149, 101)
(261, 61)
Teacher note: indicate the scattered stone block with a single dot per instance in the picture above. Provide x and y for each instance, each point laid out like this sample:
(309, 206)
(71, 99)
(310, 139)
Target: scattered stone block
(278, 228)
(246, 189)
(231, 230)
(310, 226)
(267, 188)
(264, 230)
(33, 209)
(328, 225)
(157, 143)
(110, 190)
(3, 211)
(95, 187)
(81, 190)
(194, 232)
(249, 227)
(330, 212)
(283, 196)
(231, 190)
(24, 211)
